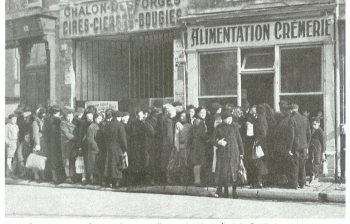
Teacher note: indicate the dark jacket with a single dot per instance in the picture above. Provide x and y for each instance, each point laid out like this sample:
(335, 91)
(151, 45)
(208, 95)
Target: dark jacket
(150, 141)
(283, 133)
(165, 140)
(228, 157)
(136, 146)
(198, 142)
(301, 131)
(116, 145)
(67, 138)
(91, 138)
(80, 131)
(55, 142)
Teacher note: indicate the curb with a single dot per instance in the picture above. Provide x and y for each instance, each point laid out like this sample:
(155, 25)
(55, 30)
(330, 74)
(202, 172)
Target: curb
(263, 194)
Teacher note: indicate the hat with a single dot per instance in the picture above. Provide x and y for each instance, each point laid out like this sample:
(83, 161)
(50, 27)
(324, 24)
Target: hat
(54, 109)
(214, 108)
(12, 115)
(158, 104)
(19, 109)
(80, 110)
(41, 111)
(68, 109)
(177, 103)
(260, 109)
(116, 113)
(226, 114)
(27, 109)
(294, 107)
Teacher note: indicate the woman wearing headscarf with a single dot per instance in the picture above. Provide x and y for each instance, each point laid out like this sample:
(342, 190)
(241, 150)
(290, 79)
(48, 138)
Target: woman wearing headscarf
(67, 143)
(191, 112)
(40, 141)
(229, 153)
(198, 144)
(136, 149)
(260, 133)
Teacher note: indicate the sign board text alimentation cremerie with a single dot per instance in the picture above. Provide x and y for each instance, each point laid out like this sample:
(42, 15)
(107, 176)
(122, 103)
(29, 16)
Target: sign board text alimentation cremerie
(256, 34)
(119, 16)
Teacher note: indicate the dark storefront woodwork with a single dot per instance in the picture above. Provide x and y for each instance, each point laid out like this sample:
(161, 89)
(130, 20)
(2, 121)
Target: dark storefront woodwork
(113, 70)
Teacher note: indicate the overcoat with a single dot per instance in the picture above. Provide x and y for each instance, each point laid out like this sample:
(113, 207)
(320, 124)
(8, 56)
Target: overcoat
(198, 142)
(228, 160)
(165, 140)
(316, 146)
(260, 133)
(40, 137)
(67, 139)
(301, 131)
(116, 145)
(283, 133)
(55, 142)
(11, 139)
(150, 141)
(92, 146)
(136, 146)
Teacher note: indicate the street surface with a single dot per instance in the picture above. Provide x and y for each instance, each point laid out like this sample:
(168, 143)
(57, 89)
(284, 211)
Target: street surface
(32, 201)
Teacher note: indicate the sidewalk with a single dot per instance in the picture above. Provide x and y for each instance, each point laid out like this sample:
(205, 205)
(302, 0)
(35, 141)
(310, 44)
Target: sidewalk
(324, 190)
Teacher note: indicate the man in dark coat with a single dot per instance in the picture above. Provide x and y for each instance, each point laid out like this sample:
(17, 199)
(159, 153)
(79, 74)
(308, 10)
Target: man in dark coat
(229, 153)
(283, 142)
(150, 145)
(301, 140)
(116, 146)
(55, 157)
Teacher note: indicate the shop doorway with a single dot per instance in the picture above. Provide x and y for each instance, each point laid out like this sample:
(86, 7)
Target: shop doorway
(258, 88)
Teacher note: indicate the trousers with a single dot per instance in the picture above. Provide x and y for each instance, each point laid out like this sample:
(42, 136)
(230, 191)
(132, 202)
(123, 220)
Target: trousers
(297, 175)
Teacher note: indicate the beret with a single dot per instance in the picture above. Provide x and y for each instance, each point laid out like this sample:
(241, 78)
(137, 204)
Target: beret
(79, 110)
(226, 114)
(12, 115)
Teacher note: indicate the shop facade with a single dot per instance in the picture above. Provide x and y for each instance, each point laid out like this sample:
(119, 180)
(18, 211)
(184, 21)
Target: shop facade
(265, 55)
(125, 51)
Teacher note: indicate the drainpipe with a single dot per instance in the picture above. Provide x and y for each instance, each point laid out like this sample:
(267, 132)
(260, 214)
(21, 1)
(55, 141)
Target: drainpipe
(336, 93)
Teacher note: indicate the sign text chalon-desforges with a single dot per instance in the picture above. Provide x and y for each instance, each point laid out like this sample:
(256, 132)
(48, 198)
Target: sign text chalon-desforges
(318, 29)
(119, 16)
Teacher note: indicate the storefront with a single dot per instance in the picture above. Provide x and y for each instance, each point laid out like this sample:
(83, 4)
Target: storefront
(265, 57)
(124, 50)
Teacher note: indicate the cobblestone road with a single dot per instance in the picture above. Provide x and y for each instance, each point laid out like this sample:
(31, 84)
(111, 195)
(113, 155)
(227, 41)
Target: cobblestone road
(31, 201)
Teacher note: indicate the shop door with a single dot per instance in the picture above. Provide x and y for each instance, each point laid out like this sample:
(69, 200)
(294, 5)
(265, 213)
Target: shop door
(36, 86)
(258, 88)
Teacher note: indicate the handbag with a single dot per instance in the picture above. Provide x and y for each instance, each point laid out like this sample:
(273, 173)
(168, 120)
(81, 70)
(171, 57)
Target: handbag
(79, 165)
(242, 174)
(257, 152)
(125, 161)
(325, 167)
(35, 161)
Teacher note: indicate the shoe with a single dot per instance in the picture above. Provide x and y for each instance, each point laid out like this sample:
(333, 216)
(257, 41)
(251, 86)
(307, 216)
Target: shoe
(69, 181)
(56, 182)
(259, 186)
(103, 184)
(302, 186)
(83, 182)
(234, 195)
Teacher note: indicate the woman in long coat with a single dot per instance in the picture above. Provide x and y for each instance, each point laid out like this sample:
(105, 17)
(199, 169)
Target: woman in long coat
(136, 147)
(165, 139)
(68, 141)
(116, 145)
(198, 144)
(150, 145)
(229, 153)
(260, 133)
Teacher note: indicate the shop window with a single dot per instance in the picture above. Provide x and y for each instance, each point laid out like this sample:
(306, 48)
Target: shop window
(218, 74)
(262, 58)
(301, 70)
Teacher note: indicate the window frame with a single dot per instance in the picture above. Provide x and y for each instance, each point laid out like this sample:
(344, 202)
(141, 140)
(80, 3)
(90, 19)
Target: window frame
(217, 51)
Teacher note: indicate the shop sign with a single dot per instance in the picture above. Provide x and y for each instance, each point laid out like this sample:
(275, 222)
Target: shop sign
(119, 16)
(18, 5)
(269, 33)
(101, 106)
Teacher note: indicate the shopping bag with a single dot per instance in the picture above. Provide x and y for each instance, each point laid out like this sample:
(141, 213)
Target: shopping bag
(125, 161)
(257, 152)
(36, 161)
(242, 174)
(79, 165)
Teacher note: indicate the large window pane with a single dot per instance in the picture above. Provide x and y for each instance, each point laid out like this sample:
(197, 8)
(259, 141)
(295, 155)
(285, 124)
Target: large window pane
(218, 74)
(301, 70)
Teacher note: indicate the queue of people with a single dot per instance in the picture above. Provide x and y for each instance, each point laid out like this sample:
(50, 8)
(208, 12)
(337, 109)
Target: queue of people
(167, 145)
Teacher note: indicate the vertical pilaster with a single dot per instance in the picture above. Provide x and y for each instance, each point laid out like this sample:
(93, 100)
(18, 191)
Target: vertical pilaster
(193, 77)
